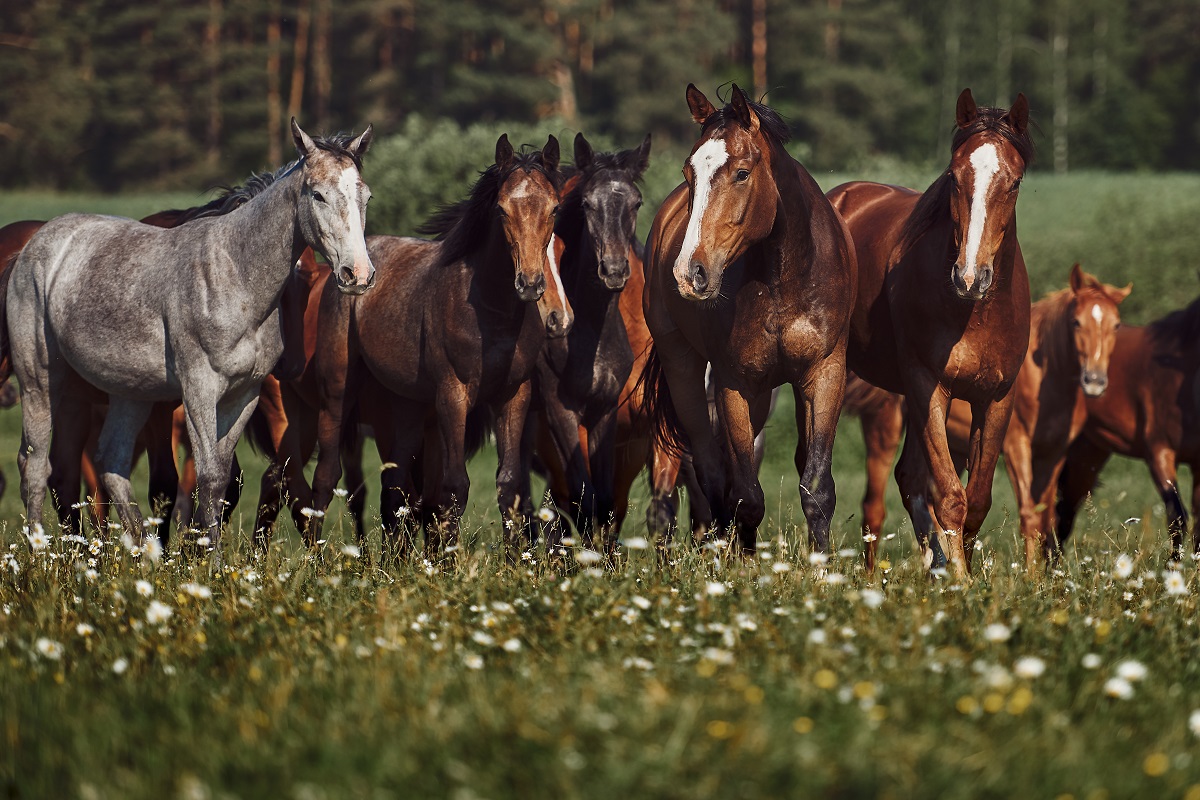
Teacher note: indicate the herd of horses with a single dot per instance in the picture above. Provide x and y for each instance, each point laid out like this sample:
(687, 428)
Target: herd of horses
(535, 316)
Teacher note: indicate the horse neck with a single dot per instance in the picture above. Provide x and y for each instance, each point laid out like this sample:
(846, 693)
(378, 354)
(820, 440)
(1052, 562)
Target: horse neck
(1051, 333)
(494, 273)
(269, 240)
(786, 248)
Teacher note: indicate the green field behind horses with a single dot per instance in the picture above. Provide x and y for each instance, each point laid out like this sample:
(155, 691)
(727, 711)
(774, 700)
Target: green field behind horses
(699, 677)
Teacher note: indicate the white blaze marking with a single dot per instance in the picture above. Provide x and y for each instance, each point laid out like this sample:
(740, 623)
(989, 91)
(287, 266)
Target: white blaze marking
(348, 184)
(555, 277)
(1097, 314)
(707, 159)
(986, 162)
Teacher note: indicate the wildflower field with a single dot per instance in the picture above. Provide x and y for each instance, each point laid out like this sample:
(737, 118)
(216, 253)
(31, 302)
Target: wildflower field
(127, 672)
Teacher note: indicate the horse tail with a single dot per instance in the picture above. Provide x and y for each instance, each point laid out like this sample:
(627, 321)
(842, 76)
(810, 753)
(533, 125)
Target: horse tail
(480, 426)
(659, 409)
(258, 434)
(6, 366)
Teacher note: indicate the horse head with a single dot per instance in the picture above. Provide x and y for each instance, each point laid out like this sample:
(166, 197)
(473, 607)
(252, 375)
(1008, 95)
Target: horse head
(733, 195)
(527, 205)
(610, 199)
(991, 151)
(1095, 319)
(333, 206)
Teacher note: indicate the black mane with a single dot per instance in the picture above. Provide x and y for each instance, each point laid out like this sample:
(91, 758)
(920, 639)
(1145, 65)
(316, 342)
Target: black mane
(463, 226)
(934, 204)
(769, 121)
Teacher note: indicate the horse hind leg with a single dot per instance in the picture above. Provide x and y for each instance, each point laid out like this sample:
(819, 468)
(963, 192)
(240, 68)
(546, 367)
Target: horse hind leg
(882, 430)
(818, 407)
(1162, 469)
(118, 438)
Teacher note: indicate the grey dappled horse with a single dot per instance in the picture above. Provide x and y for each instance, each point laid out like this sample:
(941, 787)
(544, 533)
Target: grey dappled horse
(148, 314)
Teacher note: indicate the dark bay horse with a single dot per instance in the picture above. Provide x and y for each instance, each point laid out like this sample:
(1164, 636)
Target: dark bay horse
(172, 313)
(454, 332)
(751, 270)
(943, 312)
(580, 377)
(1072, 335)
(1151, 411)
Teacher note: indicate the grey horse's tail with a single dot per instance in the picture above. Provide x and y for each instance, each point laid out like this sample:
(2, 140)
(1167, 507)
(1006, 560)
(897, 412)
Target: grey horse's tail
(6, 367)
(258, 434)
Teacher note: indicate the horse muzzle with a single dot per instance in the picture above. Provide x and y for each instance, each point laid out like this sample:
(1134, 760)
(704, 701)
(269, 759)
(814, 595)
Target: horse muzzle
(614, 272)
(558, 324)
(973, 284)
(530, 290)
(1093, 382)
(354, 279)
(701, 283)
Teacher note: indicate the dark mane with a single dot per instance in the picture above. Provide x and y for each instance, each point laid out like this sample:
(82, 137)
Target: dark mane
(934, 204)
(463, 226)
(1182, 325)
(232, 198)
(769, 120)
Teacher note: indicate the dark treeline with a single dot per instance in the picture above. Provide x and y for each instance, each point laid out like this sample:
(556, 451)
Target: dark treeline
(113, 93)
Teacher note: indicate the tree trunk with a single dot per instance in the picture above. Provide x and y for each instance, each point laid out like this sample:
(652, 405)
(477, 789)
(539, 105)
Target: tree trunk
(299, 60)
(274, 126)
(1061, 89)
(758, 47)
(322, 70)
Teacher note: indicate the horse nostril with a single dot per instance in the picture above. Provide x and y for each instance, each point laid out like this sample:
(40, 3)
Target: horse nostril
(699, 277)
(346, 275)
(554, 321)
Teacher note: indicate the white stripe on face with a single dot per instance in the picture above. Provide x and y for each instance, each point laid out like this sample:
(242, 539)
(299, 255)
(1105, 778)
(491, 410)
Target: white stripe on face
(554, 276)
(707, 159)
(986, 162)
(348, 185)
(1097, 314)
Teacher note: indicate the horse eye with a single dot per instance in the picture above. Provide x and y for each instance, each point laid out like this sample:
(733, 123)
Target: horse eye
(1016, 185)
(320, 198)
(1117, 327)
(1077, 323)
(554, 211)
(742, 174)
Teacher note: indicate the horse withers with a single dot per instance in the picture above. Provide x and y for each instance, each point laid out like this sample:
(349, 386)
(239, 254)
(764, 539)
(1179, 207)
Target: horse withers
(749, 269)
(148, 314)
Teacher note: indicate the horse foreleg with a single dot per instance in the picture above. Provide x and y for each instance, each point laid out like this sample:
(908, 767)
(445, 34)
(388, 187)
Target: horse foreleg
(602, 444)
(563, 424)
(72, 428)
(214, 429)
(118, 437)
(1085, 460)
(929, 483)
(1018, 463)
(399, 435)
(512, 483)
(989, 421)
(164, 472)
(454, 485)
(882, 430)
(742, 414)
(1162, 469)
(818, 407)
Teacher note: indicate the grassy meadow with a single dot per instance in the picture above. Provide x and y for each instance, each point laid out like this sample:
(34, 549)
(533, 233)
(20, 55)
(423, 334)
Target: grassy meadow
(685, 675)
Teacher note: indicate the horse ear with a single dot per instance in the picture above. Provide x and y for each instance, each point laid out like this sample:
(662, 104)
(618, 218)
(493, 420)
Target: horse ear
(504, 152)
(304, 142)
(966, 111)
(1018, 115)
(550, 154)
(742, 110)
(1118, 293)
(698, 103)
(363, 143)
(643, 156)
(583, 152)
(1077, 280)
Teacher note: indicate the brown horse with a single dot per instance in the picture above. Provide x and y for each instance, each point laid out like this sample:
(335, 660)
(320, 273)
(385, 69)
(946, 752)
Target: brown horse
(1151, 411)
(749, 269)
(1072, 334)
(455, 332)
(943, 312)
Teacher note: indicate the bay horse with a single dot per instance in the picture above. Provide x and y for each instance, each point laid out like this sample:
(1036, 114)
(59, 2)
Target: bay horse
(943, 312)
(1072, 335)
(581, 377)
(194, 315)
(1151, 411)
(454, 333)
(751, 270)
